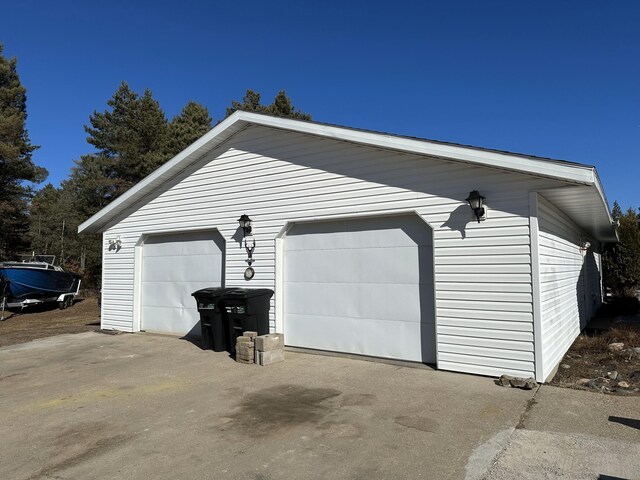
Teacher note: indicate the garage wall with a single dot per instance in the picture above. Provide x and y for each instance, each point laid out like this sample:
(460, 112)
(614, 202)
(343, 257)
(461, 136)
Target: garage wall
(570, 285)
(483, 270)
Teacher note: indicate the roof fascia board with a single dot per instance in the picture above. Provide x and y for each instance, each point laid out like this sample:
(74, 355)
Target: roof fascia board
(603, 196)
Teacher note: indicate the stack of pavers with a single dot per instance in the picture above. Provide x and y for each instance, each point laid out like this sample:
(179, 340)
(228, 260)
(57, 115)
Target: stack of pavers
(269, 348)
(245, 348)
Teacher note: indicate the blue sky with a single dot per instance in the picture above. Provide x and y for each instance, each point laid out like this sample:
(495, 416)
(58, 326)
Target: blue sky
(551, 78)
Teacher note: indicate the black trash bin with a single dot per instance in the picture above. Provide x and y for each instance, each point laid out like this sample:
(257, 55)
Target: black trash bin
(245, 309)
(212, 322)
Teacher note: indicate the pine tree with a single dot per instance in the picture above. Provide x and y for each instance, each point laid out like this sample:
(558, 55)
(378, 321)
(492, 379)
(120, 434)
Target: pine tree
(130, 137)
(621, 261)
(250, 103)
(281, 106)
(54, 231)
(93, 183)
(151, 129)
(44, 217)
(616, 212)
(188, 126)
(17, 169)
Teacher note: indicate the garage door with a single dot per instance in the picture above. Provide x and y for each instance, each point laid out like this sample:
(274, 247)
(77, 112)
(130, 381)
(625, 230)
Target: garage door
(173, 267)
(361, 286)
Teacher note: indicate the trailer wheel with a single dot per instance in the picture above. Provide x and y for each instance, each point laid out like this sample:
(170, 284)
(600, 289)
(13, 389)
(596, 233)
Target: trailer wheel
(66, 302)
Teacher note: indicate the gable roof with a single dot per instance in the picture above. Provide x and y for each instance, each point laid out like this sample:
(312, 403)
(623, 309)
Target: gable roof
(586, 206)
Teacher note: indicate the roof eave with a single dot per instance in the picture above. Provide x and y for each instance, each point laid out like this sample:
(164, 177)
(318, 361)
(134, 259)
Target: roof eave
(564, 171)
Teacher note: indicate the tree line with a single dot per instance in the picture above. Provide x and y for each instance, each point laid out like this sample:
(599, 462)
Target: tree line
(130, 139)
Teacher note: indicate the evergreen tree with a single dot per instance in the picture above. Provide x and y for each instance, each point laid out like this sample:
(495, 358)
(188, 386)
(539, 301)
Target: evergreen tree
(16, 165)
(616, 212)
(93, 183)
(44, 219)
(130, 137)
(188, 126)
(54, 231)
(250, 103)
(621, 261)
(281, 106)
(91, 186)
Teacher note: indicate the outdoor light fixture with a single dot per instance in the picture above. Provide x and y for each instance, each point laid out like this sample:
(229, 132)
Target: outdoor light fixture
(245, 223)
(475, 202)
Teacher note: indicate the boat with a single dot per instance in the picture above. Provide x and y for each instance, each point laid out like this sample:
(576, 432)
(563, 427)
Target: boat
(37, 280)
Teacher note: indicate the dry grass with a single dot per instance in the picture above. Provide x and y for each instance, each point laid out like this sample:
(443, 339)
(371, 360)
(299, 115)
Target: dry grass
(30, 324)
(590, 358)
(599, 342)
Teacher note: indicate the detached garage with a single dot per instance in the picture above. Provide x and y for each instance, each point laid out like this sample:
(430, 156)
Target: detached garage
(369, 241)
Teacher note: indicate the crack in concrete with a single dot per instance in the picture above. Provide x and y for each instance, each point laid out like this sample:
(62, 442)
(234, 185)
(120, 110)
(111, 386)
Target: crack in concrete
(524, 416)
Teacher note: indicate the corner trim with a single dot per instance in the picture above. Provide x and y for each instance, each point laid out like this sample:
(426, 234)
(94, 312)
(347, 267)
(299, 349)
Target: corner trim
(535, 286)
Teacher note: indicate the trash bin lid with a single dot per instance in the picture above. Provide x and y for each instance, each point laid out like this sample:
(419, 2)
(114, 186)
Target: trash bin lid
(211, 292)
(243, 293)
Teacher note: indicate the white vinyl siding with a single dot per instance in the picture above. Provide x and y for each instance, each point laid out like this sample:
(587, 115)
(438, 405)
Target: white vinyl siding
(482, 270)
(570, 289)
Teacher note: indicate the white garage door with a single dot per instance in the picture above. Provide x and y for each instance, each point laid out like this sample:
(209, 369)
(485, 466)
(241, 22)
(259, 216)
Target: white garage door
(173, 267)
(361, 286)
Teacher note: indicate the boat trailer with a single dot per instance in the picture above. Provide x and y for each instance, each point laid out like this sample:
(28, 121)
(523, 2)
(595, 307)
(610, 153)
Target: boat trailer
(64, 300)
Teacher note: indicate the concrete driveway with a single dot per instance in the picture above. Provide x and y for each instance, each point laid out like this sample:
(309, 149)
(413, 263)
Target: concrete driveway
(95, 406)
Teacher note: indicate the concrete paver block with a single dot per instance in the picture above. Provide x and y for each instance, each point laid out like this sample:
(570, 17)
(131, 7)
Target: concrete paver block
(268, 358)
(269, 342)
(242, 360)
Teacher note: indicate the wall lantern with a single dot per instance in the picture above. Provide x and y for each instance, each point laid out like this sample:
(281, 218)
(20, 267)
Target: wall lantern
(245, 223)
(475, 202)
